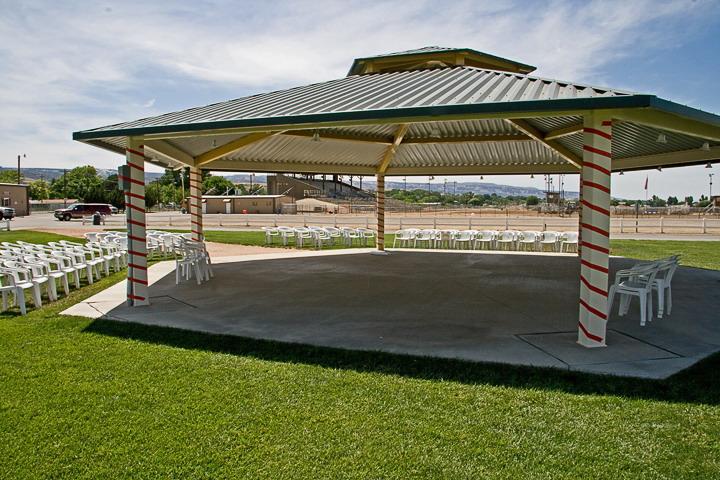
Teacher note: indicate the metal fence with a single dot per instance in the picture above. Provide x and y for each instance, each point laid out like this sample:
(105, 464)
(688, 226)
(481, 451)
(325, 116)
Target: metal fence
(678, 225)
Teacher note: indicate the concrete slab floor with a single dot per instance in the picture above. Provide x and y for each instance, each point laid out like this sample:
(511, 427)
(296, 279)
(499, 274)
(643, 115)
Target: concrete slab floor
(510, 308)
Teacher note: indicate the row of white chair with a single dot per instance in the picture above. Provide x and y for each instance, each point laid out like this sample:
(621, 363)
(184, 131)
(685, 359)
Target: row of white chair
(319, 236)
(641, 280)
(487, 239)
(191, 257)
(29, 266)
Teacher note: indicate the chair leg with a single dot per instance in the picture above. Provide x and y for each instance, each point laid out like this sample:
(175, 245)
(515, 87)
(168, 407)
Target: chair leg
(76, 274)
(643, 309)
(20, 300)
(661, 301)
(668, 296)
(4, 301)
(624, 304)
(37, 296)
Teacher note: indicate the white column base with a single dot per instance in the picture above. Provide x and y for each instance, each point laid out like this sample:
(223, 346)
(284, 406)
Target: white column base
(382, 253)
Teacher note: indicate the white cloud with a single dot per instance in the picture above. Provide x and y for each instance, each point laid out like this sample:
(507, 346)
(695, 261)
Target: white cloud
(72, 65)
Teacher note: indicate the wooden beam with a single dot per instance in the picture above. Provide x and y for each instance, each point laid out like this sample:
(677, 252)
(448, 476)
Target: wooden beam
(563, 132)
(293, 167)
(525, 127)
(169, 151)
(231, 147)
(671, 123)
(470, 139)
(509, 169)
(390, 152)
(339, 136)
(683, 157)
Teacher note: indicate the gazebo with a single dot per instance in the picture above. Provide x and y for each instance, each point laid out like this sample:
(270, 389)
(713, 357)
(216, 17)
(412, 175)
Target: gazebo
(451, 111)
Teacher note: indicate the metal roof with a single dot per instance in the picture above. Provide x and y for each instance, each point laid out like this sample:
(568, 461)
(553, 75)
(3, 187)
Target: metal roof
(454, 120)
(390, 92)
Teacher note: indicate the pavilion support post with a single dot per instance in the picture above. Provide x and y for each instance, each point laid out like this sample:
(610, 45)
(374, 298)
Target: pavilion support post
(137, 278)
(595, 230)
(196, 214)
(380, 204)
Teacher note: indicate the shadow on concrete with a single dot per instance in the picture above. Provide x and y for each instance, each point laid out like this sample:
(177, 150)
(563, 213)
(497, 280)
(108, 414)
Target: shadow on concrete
(697, 384)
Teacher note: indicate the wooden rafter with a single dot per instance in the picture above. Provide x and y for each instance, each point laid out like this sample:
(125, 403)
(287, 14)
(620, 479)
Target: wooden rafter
(563, 132)
(169, 151)
(390, 152)
(470, 139)
(231, 147)
(525, 127)
(339, 136)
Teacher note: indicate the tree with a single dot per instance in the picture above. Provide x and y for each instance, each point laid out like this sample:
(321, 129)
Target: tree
(673, 201)
(39, 190)
(8, 176)
(689, 200)
(217, 185)
(532, 200)
(82, 183)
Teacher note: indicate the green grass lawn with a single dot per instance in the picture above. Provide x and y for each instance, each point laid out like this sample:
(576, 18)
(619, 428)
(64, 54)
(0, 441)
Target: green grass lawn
(103, 399)
(693, 254)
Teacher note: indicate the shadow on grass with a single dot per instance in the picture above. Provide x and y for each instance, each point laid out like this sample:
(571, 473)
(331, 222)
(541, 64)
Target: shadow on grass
(697, 384)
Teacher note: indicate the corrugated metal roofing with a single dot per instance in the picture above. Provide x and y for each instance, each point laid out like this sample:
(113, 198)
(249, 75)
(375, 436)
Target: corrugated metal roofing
(350, 123)
(387, 91)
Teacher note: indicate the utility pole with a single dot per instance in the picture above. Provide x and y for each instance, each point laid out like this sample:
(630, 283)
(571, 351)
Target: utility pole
(19, 176)
(445, 187)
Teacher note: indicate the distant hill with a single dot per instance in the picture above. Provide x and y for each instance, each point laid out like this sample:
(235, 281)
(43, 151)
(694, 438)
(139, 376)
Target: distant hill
(479, 188)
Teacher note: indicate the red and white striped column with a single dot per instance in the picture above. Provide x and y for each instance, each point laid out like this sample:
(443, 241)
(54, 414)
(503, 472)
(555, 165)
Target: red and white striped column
(137, 278)
(380, 204)
(196, 220)
(595, 230)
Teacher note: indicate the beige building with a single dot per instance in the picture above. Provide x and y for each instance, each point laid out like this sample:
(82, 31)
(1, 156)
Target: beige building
(15, 196)
(244, 203)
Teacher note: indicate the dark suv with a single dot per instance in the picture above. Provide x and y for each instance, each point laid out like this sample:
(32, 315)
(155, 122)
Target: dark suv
(7, 213)
(80, 210)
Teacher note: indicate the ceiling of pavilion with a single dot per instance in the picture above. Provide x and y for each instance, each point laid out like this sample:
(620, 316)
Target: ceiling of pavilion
(433, 117)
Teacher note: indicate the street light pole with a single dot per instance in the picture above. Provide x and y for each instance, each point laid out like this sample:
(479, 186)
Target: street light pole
(710, 175)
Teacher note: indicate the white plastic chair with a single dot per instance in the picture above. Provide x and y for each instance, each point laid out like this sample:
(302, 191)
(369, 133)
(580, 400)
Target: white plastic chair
(404, 238)
(286, 233)
(569, 242)
(427, 236)
(464, 238)
(484, 238)
(350, 234)
(634, 282)
(270, 233)
(528, 241)
(303, 235)
(506, 240)
(549, 239)
(366, 236)
(17, 284)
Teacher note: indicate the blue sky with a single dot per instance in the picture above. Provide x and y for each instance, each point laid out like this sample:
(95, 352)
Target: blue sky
(71, 65)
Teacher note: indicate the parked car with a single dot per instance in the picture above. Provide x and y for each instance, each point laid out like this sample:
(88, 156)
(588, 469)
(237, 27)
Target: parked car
(7, 213)
(113, 209)
(80, 210)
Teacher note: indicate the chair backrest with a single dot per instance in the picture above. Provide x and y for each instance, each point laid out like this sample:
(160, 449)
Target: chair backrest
(528, 236)
(465, 235)
(550, 236)
(571, 237)
(507, 235)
